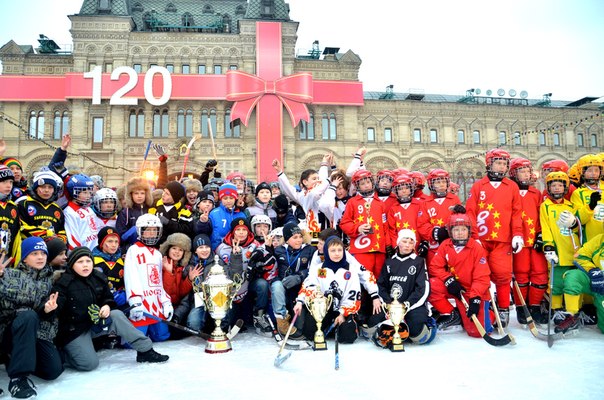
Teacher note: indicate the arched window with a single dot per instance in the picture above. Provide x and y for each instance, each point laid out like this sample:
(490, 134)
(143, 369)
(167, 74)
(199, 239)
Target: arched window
(136, 123)
(36, 124)
(170, 8)
(328, 125)
(461, 136)
(502, 138)
(541, 138)
(60, 124)
(517, 138)
(187, 19)
(433, 136)
(240, 10)
(137, 7)
(371, 134)
(594, 140)
(476, 136)
(184, 123)
(388, 135)
(160, 123)
(580, 140)
(231, 129)
(205, 114)
(207, 9)
(307, 129)
(417, 135)
(556, 139)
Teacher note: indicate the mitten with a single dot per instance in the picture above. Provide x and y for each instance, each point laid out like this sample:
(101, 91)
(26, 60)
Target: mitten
(517, 244)
(93, 313)
(550, 254)
(594, 199)
(137, 312)
(474, 306)
(453, 287)
(567, 219)
(119, 296)
(168, 310)
(538, 246)
(422, 248)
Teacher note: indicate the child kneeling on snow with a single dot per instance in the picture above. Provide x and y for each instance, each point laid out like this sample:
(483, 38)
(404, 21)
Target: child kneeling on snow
(86, 310)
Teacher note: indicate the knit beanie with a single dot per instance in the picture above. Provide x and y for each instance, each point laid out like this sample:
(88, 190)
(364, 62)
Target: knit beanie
(280, 204)
(9, 161)
(105, 233)
(227, 189)
(6, 173)
(176, 189)
(45, 178)
(289, 230)
(405, 234)
(205, 195)
(78, 253)
(201, 240)
(262, 186)
(32, 244)
(241, 222)
(55, 246)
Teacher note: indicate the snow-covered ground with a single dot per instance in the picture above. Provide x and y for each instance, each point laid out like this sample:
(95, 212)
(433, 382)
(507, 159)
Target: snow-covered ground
(454, 366)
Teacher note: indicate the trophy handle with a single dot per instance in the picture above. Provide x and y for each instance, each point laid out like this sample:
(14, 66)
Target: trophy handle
(329, 301)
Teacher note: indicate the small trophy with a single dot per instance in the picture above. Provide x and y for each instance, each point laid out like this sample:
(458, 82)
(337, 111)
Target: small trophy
(218, 291)
(396, 312)
(318, 305)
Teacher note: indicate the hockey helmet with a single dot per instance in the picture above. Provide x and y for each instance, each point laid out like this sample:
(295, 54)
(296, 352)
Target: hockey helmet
(358, 176)
(78, 184)
(148, 221)
(518, 163)
(459, 220)
(438, 174)
(554, 166)
(404, 180)
(261, 219)
(557, 177)
(103, 196)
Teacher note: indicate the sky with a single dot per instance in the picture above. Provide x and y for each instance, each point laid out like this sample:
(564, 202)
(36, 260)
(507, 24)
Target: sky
(434, 46)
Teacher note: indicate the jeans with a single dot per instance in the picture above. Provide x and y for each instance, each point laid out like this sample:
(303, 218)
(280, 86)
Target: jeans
(196, 318)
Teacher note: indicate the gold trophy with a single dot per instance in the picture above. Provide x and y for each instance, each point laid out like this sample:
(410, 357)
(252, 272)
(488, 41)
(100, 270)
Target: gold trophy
(396, 313)
(318, 305)
(218, 292)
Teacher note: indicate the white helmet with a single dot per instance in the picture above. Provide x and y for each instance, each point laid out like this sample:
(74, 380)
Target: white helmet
(102, 195)
(148, 221)
(261, 219)
(277, 232)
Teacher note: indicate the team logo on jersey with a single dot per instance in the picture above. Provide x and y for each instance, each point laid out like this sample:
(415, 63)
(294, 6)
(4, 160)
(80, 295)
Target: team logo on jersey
(322, 273)
(13, 213)
(153, 274)
(412, 270)
(31, 211)
(419, 213)
(396, 289)
(482, 260)
(347, 275)
(304, 260)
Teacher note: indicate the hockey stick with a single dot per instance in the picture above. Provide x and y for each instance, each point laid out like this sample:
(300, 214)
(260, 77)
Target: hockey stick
(145, 156)
(281, 358)
(492, 341)
(205, 336)
(302, 344)
(498, 319)
(184, 164)
(337, 350)
(529, 319)
(550, 339)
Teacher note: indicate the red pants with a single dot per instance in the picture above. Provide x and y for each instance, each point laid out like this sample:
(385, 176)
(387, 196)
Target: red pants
(530, 267)
(372, 262)
(499, 257)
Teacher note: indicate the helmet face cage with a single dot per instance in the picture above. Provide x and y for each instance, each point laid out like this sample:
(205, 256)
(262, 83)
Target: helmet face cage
(145, 223)
(360, 176)
(459, 220)
(556, 177)
(103, 196)
(438, 176)
(76, 196)
(518, 164)
(261, 219)
(400, 185)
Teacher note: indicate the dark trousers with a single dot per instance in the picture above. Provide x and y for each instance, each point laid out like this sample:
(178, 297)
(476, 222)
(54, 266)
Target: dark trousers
(347, 332)
(28, 354)
(415, 320)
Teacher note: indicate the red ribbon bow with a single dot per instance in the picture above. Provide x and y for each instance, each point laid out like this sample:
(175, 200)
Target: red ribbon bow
(246, 90)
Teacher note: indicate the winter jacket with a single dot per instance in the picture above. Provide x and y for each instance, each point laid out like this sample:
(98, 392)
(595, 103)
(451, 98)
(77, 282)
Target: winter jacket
(292, 261)
(76, 294)
(259, 208)
(24, 288)
(409, 275)
(221, 219)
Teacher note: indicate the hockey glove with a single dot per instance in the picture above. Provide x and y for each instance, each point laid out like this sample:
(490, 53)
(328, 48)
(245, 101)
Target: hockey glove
(93, 313)
(567, 219)
(473, 306)
(439, 234)
(550, 254)
(458, 209)
(168, 310)
(119, 296)
(538, 246)
(596, 275)
(517, 244)
(137, 312)
(453, 287)
(422, 249)
(163, 220)
(594, 199)
(291, 281)
(160, 151)
(390, 251)
(211, 164)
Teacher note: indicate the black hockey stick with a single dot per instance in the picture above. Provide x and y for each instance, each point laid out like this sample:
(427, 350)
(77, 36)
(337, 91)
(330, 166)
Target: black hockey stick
(301, 345)
(337, 349)
(498, 319)
(492, 341)
(183, 328)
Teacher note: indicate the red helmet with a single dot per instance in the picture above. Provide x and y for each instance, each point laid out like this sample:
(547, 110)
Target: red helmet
(459, 220)
(438, 173)
(518, 163)
(554, 166)
(419, 178)
(235, 175)
(400, 171)
(453, 188)
(404, 180)
(496, 154)
(385, 173)
(358, 176)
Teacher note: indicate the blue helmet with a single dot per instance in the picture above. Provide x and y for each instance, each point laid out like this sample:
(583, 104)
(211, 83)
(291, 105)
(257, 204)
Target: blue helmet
(76, 185)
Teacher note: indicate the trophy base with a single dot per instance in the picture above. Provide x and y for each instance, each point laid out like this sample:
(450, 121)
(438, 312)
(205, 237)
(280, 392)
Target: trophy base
(398, 347)
(218, 345)
(319, 346)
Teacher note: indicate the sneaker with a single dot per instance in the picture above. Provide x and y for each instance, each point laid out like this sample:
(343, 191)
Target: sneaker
(261, 324)
(569, 323)
(22, 388)
(504, 317)
(151, 356)
(446, 321)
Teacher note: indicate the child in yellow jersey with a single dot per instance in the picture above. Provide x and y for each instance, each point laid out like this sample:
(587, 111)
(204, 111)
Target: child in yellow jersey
(558, 227)
(586, 199)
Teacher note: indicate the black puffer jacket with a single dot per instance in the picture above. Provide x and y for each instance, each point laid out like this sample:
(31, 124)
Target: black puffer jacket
(76, 294)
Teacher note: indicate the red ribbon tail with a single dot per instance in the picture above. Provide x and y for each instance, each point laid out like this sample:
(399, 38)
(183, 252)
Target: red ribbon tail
(243, 109)
(297, 111)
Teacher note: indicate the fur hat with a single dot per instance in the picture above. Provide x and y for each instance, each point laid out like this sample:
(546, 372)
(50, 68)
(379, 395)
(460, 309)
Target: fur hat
(138, 183)
(55, 246)
(176, 189)
(192, 184)
(227, 189)
(105, 233)
(32, 244)
(289, 230)
(78, 253)
(180, 240)
(261, 186)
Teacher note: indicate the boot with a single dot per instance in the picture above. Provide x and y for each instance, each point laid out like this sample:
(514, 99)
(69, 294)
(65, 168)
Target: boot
(521, 316)
(446, 321)
(150, 356)
(504, 317)
(261, 325)
(283, 325)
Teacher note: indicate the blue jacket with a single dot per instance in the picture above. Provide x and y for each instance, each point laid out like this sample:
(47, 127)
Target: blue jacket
(221, 219)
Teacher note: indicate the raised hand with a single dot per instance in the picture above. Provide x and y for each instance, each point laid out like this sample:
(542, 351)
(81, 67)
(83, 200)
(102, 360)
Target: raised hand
(195, 272)
(65, 142)
(236, 248)
(337, 181)
(277, 166)
(159, 149)
(168, 264)
(51, 304)
(4, 262)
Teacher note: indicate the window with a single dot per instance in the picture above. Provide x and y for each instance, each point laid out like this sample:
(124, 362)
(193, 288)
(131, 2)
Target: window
(207, 9)
(104, 5)
(371, 134)
(580, 140)
(476, 136)
(433, 136)
(137, 7)
(307, 129)
(388, 135)
(91, 66)
(594, 140)
(556, 139)
(541, 138)
(137, 68)
(201, 69)
(517, 138)
(108, 68)
(217, 69)
(204, 122)
(328, 126)
(187, 19)
(502, 139)
(233, 67)
(417, 135)
(98, 127)
(160, 123)
(36, 125)
(186, 69)
(60, 125)
(231, 129)
(170, 8)
(461, 136)
(170, 68)
(136, 123)
(184, 123)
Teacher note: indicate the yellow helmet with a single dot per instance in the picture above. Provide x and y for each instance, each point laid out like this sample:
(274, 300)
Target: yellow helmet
(557, 177)
(589, 160)
(574, 174)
